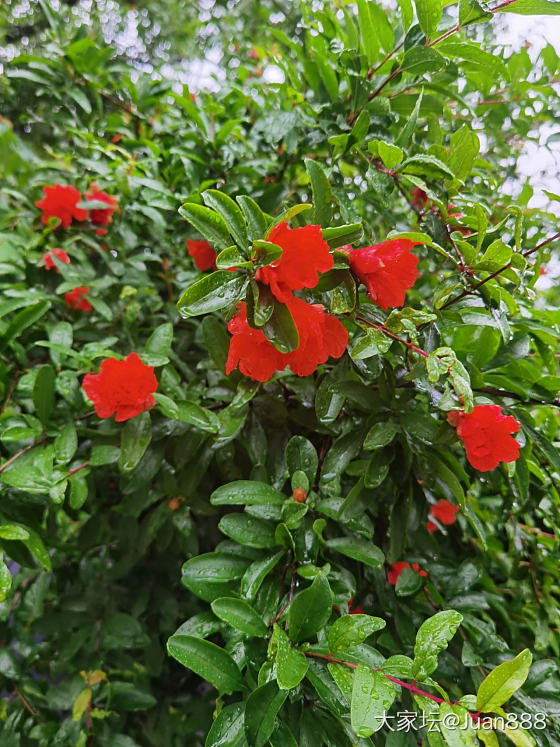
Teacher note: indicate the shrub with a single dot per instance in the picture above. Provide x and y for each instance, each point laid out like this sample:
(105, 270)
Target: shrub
(278, 390)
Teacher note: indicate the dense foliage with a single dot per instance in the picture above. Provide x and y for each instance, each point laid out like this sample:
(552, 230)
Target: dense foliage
(284, 337)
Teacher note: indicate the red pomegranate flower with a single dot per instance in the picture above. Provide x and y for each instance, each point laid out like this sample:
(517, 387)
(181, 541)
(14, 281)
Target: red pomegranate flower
(397, 568)
(486, 434)
(419, 197)
(321, 337)
(122, 387)
(387, 270)
(443, 511)
(202, 253)
(59, 254)
(101, 216)
(305, 253)
(76, 299)
(60, 202)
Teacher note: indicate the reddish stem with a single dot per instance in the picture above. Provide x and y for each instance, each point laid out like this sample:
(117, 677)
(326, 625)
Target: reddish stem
(386, 332)
(77, 469)
(413, 689)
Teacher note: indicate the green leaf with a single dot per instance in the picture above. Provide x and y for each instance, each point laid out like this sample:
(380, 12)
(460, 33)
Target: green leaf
(391, 155)
(266, 252)
(256, 573)
(36, 547)
(5, 578)
(420, 60)
(372, 697)
(281, 330)
(310, 609)
(428, 166)
(502, 682)
(227, 729)
(248, 530)
(372, 343)
(230, 212)
(211, 575)
(240, 615)
(43, 393)
(321, 188)
(368, 36)
(66, 443)
(456, 726)
(432, 637)
(381, 434)
(212, 292)
(496, 255)
(13, 532)
(405, 135)
(291, 665)
(341, 235)
(301, 455)
(351, 630)
(429, 15)
(246, 493)
(216, 341)
(209, 223)
(207, 660)
(135, 439)
(158, 343)
(531, 8)
(261, 709)
(78, 491)
(257, 221)
(473, 11)
(357, 549)
(463, 149)
(102, 454)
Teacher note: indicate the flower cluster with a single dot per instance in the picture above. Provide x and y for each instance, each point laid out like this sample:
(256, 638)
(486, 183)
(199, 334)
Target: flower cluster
(444, 512)
(61, 202)
(487, 436)
(387, 270)
(305, 254)
(397, 568)
(124, 388)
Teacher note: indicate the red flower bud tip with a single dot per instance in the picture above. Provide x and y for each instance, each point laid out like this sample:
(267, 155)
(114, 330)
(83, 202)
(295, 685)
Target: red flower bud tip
(124, 388)
(443, 511)
(486, 435)
(174, 504)
(321, 337)
(116, 139)
(397, 568)
(202, 253)
(59, 254)
(76, 299)
(387, 270)
(305, 253)
(192, 97)
(299, 495)
(60, 202)
(253, 54)
(419, 197)
(542, 270)
(101, 216)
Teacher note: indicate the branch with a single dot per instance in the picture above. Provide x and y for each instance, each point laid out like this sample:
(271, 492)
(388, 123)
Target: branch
(413, 689)
(388, 333)
(474, 288)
